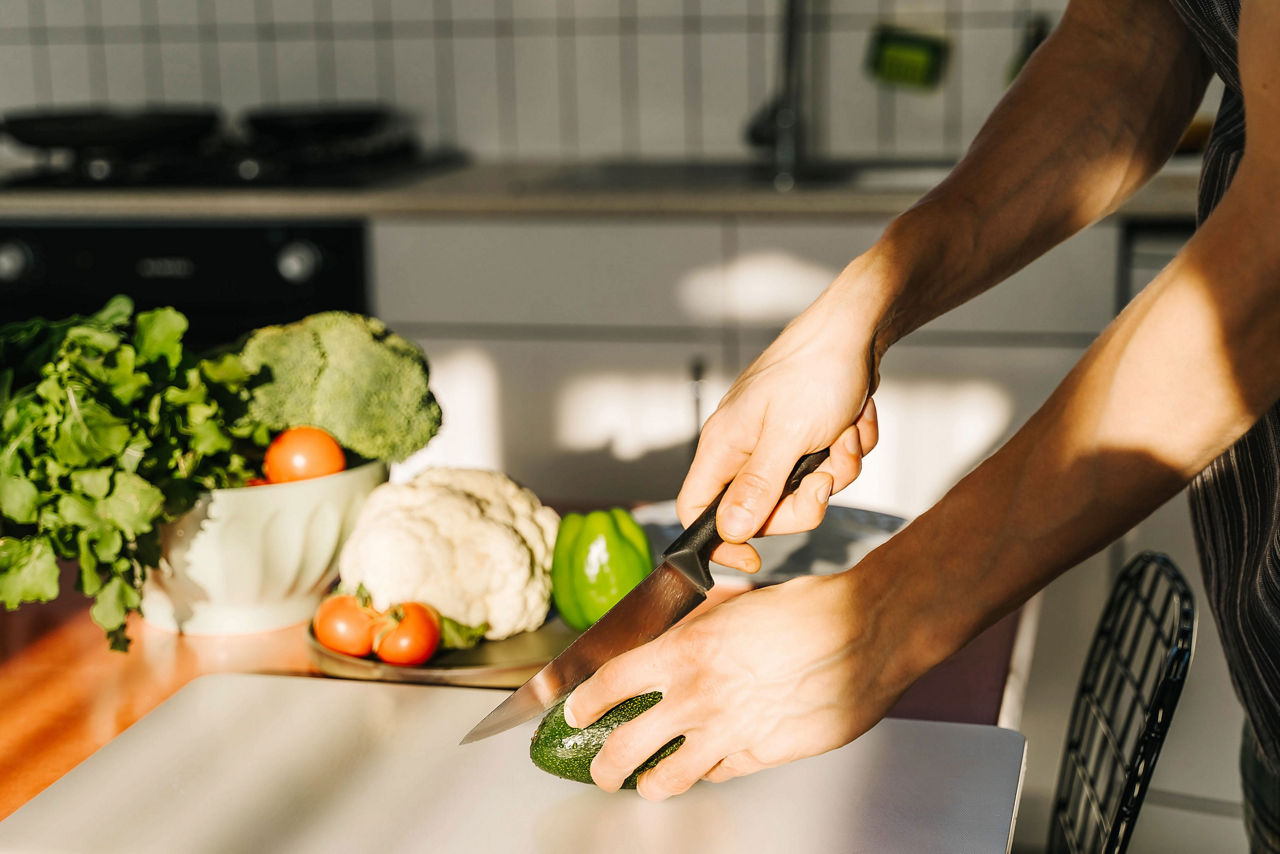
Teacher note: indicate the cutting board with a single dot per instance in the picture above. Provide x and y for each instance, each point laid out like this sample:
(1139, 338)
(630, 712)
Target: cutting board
(248, 763)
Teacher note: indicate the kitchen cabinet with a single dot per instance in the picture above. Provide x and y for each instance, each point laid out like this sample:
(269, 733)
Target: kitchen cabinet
(575, 420)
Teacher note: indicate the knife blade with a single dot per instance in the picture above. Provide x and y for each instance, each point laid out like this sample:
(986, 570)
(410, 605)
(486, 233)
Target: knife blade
(674, 588)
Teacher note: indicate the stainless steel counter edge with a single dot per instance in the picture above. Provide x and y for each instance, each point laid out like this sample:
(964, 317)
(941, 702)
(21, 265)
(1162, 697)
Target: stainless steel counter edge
(519, 190)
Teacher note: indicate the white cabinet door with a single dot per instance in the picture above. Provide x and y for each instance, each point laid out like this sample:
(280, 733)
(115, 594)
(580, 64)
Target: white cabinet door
(576, 421)
(778, 269)
(566, 271)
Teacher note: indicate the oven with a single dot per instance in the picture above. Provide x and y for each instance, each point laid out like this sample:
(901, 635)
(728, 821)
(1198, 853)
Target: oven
(227, 277)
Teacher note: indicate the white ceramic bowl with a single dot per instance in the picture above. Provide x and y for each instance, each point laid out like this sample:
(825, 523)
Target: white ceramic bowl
(255, 558)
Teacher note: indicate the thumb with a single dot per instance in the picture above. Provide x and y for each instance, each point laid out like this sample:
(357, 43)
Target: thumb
(754, 492)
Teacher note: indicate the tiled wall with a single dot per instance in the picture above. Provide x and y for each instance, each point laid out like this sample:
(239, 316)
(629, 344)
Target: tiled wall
(520, 78)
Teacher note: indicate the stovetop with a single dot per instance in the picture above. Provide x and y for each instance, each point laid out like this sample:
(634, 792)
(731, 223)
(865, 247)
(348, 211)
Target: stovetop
(278, 147)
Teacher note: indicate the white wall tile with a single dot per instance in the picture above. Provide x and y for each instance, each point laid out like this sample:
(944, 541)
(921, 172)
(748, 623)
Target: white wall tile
(414, 72)
(177, 13)
(475, 74)
(17, 78)
(14, 13)
(182, 73)
(356, 68)
(353, 11)
(919, 122)
(537, 98)
(126, 73)
(63, 13)
(980, 63)
(473, 10)
(412, 10)
(297, 71)
(850, 119)
(239, 75)
(661, 61)
(69, 74)
(235, 11)
(725, 106)
(599, 97)
(124, 13)
(293, 11)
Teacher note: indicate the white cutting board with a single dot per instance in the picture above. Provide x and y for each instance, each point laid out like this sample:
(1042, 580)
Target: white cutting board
(251, 763)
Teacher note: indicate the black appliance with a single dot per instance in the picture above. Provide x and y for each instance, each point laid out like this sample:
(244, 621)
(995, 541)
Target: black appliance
(340, 145)
(227, 276)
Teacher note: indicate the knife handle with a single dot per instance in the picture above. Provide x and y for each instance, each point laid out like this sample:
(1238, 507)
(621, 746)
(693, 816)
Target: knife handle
(701, 537)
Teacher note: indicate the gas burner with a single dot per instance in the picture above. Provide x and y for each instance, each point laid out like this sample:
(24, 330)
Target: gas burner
(289, 146)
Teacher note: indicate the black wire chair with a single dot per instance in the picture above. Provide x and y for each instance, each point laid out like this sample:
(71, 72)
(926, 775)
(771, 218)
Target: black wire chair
(1133, 677)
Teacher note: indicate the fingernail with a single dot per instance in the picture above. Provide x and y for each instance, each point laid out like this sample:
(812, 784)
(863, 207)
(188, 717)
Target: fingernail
(736, 523)
(851, 442)
(568, 716)
(824, 492)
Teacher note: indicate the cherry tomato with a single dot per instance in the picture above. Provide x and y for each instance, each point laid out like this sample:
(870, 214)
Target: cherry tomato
(344, 625)
(256, 481)
(409, 635)
(300, 453)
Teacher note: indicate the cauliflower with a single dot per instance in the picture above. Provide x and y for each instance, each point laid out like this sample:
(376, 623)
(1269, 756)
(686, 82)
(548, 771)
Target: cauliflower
(472, 544)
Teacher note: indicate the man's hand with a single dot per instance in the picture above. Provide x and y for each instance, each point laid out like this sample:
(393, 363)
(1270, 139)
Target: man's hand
(768, 677)
(808, 391)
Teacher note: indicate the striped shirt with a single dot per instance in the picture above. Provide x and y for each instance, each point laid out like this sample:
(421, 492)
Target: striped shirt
(1235, 502)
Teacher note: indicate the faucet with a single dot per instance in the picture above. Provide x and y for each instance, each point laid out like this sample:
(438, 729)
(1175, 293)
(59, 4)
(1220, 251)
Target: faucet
(779, 125)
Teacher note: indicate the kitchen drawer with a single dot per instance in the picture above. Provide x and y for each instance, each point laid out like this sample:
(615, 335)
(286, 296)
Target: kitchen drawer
(549, 272)
(577, 421)
(779, 268)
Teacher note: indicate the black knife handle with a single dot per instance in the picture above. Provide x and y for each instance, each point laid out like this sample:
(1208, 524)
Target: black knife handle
(702, 537)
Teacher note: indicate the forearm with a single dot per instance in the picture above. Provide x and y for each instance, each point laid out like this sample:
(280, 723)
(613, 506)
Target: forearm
(1185, 370)
(1099, 107)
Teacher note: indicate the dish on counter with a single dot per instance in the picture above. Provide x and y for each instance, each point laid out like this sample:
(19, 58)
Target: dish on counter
(489, 664)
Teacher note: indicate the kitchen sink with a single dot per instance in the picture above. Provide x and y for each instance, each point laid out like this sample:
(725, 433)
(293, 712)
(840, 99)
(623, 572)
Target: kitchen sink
(648, 175)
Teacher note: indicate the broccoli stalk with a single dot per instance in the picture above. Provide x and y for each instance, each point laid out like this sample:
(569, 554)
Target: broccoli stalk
(348, 375)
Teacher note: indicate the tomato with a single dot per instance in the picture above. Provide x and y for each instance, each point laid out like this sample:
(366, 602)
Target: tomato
(300, 453)
(409, 635)
(344, 625)
(256, 481)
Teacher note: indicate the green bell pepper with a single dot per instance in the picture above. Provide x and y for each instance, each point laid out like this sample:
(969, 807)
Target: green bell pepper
(598, 558)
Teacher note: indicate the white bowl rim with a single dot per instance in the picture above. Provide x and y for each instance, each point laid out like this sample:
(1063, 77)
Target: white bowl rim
(328, 478)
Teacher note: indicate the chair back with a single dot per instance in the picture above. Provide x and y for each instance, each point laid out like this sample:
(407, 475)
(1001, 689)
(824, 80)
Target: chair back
(1133, 677)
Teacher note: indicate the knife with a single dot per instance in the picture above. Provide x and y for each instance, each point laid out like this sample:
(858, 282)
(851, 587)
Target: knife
(674, 588)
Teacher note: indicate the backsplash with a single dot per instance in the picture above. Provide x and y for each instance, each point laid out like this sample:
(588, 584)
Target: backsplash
(522, 79)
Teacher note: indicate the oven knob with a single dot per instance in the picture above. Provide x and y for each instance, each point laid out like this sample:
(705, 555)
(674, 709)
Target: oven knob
(298, 262)
(15, 260)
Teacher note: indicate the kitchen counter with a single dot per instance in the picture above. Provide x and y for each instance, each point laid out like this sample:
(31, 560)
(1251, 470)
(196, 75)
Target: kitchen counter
(497, 189)
(64, 694)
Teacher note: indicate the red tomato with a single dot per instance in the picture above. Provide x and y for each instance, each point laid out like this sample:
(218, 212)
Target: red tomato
(344, 625)
(256, 481)
(409, 636)
(300, 453)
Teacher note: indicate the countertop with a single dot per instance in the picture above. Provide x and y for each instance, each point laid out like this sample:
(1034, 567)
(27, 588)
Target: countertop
(64, 694)
(506, 189)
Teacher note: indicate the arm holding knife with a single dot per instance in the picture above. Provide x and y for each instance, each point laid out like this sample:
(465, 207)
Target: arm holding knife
(794, 670)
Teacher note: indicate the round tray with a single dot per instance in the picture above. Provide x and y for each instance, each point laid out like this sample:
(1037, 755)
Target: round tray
(489, 664)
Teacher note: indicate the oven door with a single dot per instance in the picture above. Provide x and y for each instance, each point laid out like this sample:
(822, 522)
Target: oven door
(226, 277)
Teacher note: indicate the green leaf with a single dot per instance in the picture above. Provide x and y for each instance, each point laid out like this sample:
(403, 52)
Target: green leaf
(115, 313)
(126, 382)
(28, 571)
(227, 370)
(95, 483)
(78, 511)
(19, 499)
(208, 439)
(93, 337)
(133, 505)
(158, 335)
(113, 603)
(455, 635)
(88, 434)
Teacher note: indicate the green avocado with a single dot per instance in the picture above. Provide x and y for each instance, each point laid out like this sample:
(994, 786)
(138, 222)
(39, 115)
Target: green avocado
(559, 749)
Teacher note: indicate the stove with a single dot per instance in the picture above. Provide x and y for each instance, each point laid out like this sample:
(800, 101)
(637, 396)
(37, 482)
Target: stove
(338, 146)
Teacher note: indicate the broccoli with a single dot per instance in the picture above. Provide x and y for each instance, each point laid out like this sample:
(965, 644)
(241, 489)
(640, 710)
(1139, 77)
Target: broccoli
(348, 375)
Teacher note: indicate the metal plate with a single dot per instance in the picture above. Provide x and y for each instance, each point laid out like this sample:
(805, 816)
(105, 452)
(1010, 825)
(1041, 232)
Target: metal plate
(490, 664)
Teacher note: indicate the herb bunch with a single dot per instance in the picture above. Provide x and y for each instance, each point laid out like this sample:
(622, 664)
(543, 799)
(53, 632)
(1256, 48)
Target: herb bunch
(108, 429)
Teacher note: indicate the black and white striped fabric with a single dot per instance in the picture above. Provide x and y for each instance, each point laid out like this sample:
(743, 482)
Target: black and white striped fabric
(1235, 502)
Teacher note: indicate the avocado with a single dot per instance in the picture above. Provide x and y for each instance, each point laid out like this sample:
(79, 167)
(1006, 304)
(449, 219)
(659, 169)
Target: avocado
(559, 749)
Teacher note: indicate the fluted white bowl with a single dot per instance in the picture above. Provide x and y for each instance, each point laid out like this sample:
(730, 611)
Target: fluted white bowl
(255, 558)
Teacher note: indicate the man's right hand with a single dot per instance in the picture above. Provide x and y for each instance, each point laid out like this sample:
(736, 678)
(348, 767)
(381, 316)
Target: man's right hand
(809, 390)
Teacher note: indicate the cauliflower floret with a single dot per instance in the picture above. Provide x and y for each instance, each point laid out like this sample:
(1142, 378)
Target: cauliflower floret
(474, 556)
